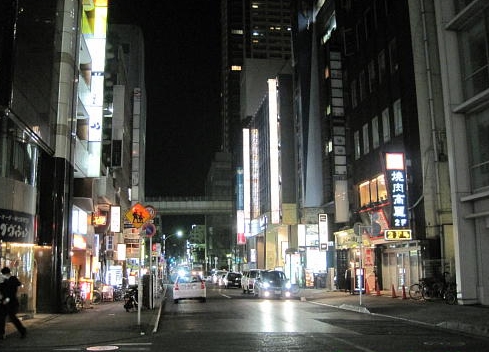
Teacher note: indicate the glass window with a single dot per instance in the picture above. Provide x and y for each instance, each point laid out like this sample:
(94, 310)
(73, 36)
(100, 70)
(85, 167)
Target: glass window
(371, 76)
(356, 141)
(393, 55)
(353, 89)
(366, 148)
(364, 192)
(381, 188)
(375, 132)
(474, 56)
(397, 117)
(478, 131)
(363, 86)
(386, 126)
(382, 68)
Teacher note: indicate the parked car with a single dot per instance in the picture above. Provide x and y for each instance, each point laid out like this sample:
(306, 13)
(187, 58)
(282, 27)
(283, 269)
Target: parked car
(231, 279)
(188, 286)
(272, 283)
(248, 280)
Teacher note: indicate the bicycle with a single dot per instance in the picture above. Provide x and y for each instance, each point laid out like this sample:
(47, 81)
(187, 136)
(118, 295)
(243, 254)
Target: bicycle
(96, 297)
(420, 290)
(73, 302)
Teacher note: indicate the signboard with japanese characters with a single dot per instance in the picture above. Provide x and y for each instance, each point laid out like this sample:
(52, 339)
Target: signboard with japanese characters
(396, 177)
(16, 226)
(397, 235)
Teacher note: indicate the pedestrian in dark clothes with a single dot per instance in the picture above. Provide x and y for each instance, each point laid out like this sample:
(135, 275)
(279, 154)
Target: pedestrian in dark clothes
(9, 304)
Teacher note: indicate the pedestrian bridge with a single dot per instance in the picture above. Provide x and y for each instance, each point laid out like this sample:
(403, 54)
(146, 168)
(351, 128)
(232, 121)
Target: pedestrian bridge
(198, 205)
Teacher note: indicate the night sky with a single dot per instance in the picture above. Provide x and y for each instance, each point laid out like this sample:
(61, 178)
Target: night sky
(182, 49)
(182, 46)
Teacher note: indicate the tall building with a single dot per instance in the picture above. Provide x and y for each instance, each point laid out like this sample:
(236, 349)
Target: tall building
(250, 30)
(256, 46)
(462, 36)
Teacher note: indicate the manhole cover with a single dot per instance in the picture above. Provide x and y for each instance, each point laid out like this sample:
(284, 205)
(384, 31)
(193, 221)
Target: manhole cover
(102, 348)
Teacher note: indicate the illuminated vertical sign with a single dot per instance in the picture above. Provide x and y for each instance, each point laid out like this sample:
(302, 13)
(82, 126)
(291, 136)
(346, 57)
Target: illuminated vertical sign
(240, 224)
(255, 173)
(274, 151)
(396, 176)
(115, 218)
(323, 229)
(246, 181)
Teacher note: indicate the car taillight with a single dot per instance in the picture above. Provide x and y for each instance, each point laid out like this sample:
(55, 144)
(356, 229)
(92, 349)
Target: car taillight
(202, 285)
(176, 286)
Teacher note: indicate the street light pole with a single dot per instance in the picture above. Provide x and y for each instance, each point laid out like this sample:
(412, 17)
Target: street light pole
(165, 237)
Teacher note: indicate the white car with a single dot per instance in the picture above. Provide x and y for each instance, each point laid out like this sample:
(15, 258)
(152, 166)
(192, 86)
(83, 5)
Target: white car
(188, 286)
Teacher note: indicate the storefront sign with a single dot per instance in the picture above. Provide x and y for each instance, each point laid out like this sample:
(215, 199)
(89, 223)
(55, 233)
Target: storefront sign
(396, 176)
(396, 235)
(16, 226)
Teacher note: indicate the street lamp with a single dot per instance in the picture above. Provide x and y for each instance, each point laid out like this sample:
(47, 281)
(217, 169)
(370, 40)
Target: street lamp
(165, 237)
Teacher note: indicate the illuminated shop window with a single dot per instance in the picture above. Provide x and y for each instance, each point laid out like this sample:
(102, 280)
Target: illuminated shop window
(373, 191)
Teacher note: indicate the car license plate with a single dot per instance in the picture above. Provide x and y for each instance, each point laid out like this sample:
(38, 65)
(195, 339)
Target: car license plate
(277, 292)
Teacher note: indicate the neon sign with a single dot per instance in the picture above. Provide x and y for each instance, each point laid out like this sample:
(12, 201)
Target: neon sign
(396, 176)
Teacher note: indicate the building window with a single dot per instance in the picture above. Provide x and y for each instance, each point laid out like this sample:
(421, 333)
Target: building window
(373, 191)
(371, 76)
(386, 126)
(397, 117)
(475, 60)
(393, 56)
(366, 147)
(382, 67)
(375, 132)
(478, 131)
(363, 86)
(356, 141)
(354, 97)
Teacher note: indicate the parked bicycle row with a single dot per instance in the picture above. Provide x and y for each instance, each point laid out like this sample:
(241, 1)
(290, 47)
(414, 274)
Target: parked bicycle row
(434, 288)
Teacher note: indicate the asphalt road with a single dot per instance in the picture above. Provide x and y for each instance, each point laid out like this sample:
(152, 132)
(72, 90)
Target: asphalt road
(232, 321)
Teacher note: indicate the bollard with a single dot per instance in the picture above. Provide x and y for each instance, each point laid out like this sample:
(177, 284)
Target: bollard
(404, 292)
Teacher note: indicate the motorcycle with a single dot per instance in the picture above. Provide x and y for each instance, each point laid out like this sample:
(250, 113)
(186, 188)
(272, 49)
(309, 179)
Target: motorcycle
(131, 298)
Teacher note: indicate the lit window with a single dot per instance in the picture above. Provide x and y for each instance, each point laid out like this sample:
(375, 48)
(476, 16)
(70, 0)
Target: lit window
(364, 191)
(235, 68)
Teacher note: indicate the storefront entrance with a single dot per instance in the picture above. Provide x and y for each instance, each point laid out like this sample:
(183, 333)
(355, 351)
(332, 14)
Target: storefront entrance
(400, 264)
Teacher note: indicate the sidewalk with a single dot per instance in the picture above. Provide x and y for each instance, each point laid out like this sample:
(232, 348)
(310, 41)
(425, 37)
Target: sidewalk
(149, 318)
(467, 319)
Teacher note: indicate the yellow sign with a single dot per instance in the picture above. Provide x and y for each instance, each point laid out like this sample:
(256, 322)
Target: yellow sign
(138, 215)
(396, 235)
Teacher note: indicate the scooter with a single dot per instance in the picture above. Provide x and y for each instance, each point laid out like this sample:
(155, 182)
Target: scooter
(131, 299)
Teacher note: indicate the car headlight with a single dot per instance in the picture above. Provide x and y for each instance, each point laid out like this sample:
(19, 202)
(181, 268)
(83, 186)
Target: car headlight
(266, 285)
(288, 285)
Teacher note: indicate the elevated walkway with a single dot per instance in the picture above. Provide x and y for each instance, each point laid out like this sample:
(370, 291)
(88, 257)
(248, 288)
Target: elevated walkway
(198, 205)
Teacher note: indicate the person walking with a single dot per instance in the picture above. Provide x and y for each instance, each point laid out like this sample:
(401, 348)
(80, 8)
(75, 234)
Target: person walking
(9, 304)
